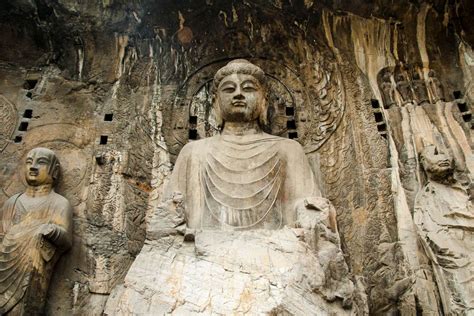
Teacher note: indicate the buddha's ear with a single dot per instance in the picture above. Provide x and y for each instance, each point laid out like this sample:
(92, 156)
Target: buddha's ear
(262, 117)
(55, 171)
(217, 111)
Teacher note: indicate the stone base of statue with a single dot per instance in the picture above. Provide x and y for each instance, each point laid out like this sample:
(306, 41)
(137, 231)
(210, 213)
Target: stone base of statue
(234, 272)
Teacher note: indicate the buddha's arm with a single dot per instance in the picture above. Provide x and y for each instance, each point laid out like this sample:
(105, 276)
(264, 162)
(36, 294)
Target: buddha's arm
(6, 214)
(300, 183)
(182, 178)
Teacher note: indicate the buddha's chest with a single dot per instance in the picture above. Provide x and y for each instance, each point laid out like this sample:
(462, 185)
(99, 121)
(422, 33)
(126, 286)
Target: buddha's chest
(242, 185)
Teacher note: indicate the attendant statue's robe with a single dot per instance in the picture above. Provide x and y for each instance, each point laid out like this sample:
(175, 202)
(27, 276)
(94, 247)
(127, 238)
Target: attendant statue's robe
(242, 182)
(444, 216)
(26, 257)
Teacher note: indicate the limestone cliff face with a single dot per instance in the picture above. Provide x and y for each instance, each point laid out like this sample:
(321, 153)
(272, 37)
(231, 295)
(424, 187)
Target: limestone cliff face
(117, 88)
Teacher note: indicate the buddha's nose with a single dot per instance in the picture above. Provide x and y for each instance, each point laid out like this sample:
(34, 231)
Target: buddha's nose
(239, 96)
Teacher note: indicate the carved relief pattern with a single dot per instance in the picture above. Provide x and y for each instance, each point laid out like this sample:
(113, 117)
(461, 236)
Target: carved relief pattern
(8, 121)
(353, 163)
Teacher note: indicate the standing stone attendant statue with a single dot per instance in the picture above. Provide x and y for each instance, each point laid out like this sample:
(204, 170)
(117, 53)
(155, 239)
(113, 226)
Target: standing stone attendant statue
(36, 228)
(404, 90)
(435, 87)
(388, 91)
(419, 88)
(444, 215)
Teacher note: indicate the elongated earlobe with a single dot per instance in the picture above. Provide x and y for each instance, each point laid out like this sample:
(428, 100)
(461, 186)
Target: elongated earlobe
(262, 117)
(218, 113)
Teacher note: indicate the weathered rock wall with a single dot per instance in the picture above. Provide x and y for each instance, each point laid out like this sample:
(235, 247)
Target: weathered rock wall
(116, 88)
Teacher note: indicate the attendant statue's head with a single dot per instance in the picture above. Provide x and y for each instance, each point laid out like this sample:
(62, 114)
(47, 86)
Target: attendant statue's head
(239, 93)
(437, 164)
(42, 167)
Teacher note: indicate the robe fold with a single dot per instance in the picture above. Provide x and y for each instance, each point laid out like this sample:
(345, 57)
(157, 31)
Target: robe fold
(242, 182)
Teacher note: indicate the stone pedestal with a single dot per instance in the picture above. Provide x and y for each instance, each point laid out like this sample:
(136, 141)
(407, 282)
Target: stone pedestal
(230, 272)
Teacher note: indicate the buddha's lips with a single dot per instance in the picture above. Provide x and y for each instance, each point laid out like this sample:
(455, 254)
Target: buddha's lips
(444, 163)
(239, 103)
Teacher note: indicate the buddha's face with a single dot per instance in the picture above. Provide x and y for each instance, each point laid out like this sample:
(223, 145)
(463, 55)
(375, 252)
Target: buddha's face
(39, 169)
(240, 98)
(436, 162)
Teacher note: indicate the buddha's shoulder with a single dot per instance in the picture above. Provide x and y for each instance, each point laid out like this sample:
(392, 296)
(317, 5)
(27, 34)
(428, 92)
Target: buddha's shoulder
(60, 201)
(194, 147)
(11, 200)
(290, 145)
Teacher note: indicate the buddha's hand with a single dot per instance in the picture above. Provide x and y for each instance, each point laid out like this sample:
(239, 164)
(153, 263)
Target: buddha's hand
(317, 217)
(314, 210)
(47, 231)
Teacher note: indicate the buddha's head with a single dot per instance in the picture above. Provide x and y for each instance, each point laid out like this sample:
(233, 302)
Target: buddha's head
(42, 167)
(437, 164)
(239, 93)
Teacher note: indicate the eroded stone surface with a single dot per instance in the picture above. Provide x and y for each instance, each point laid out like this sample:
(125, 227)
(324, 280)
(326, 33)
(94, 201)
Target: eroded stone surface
(254, 272)
(149, 63)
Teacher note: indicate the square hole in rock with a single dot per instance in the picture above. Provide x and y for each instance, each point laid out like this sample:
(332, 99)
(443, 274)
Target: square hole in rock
(290, 111)
(18, 139)
(28, 113)
(193, 119)
(462, 107)
(382, 127)
(292, 135)
(193, 134)
(30, 84)
(23, 126)
(467, 117)
(375, 103)
(108, 117)
(457, 94)
(291, 124)
(378, 116)
(103, 139)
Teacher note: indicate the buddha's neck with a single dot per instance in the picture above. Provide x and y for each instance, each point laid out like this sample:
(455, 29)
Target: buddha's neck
(39, 190)
(241, 128)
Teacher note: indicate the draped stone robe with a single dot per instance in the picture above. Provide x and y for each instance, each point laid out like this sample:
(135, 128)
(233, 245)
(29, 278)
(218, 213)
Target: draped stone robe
(242, 182)
(26, 258)
(444, 216)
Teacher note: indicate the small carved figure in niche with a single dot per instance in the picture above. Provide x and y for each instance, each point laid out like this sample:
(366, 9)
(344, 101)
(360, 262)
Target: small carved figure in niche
(444, 216)
(419, 89)
(435, 87)
(36, 228)
(388, 91)
(404, 90)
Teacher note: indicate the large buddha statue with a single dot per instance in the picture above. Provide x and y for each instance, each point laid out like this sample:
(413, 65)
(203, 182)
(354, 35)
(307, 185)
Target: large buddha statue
(242, 178)
(243, 228)
(444, 215)
(36, 228)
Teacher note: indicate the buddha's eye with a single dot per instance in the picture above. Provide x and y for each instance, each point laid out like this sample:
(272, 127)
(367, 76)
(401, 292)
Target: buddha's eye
(43, 161)
(228, 89)
(249, 88)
